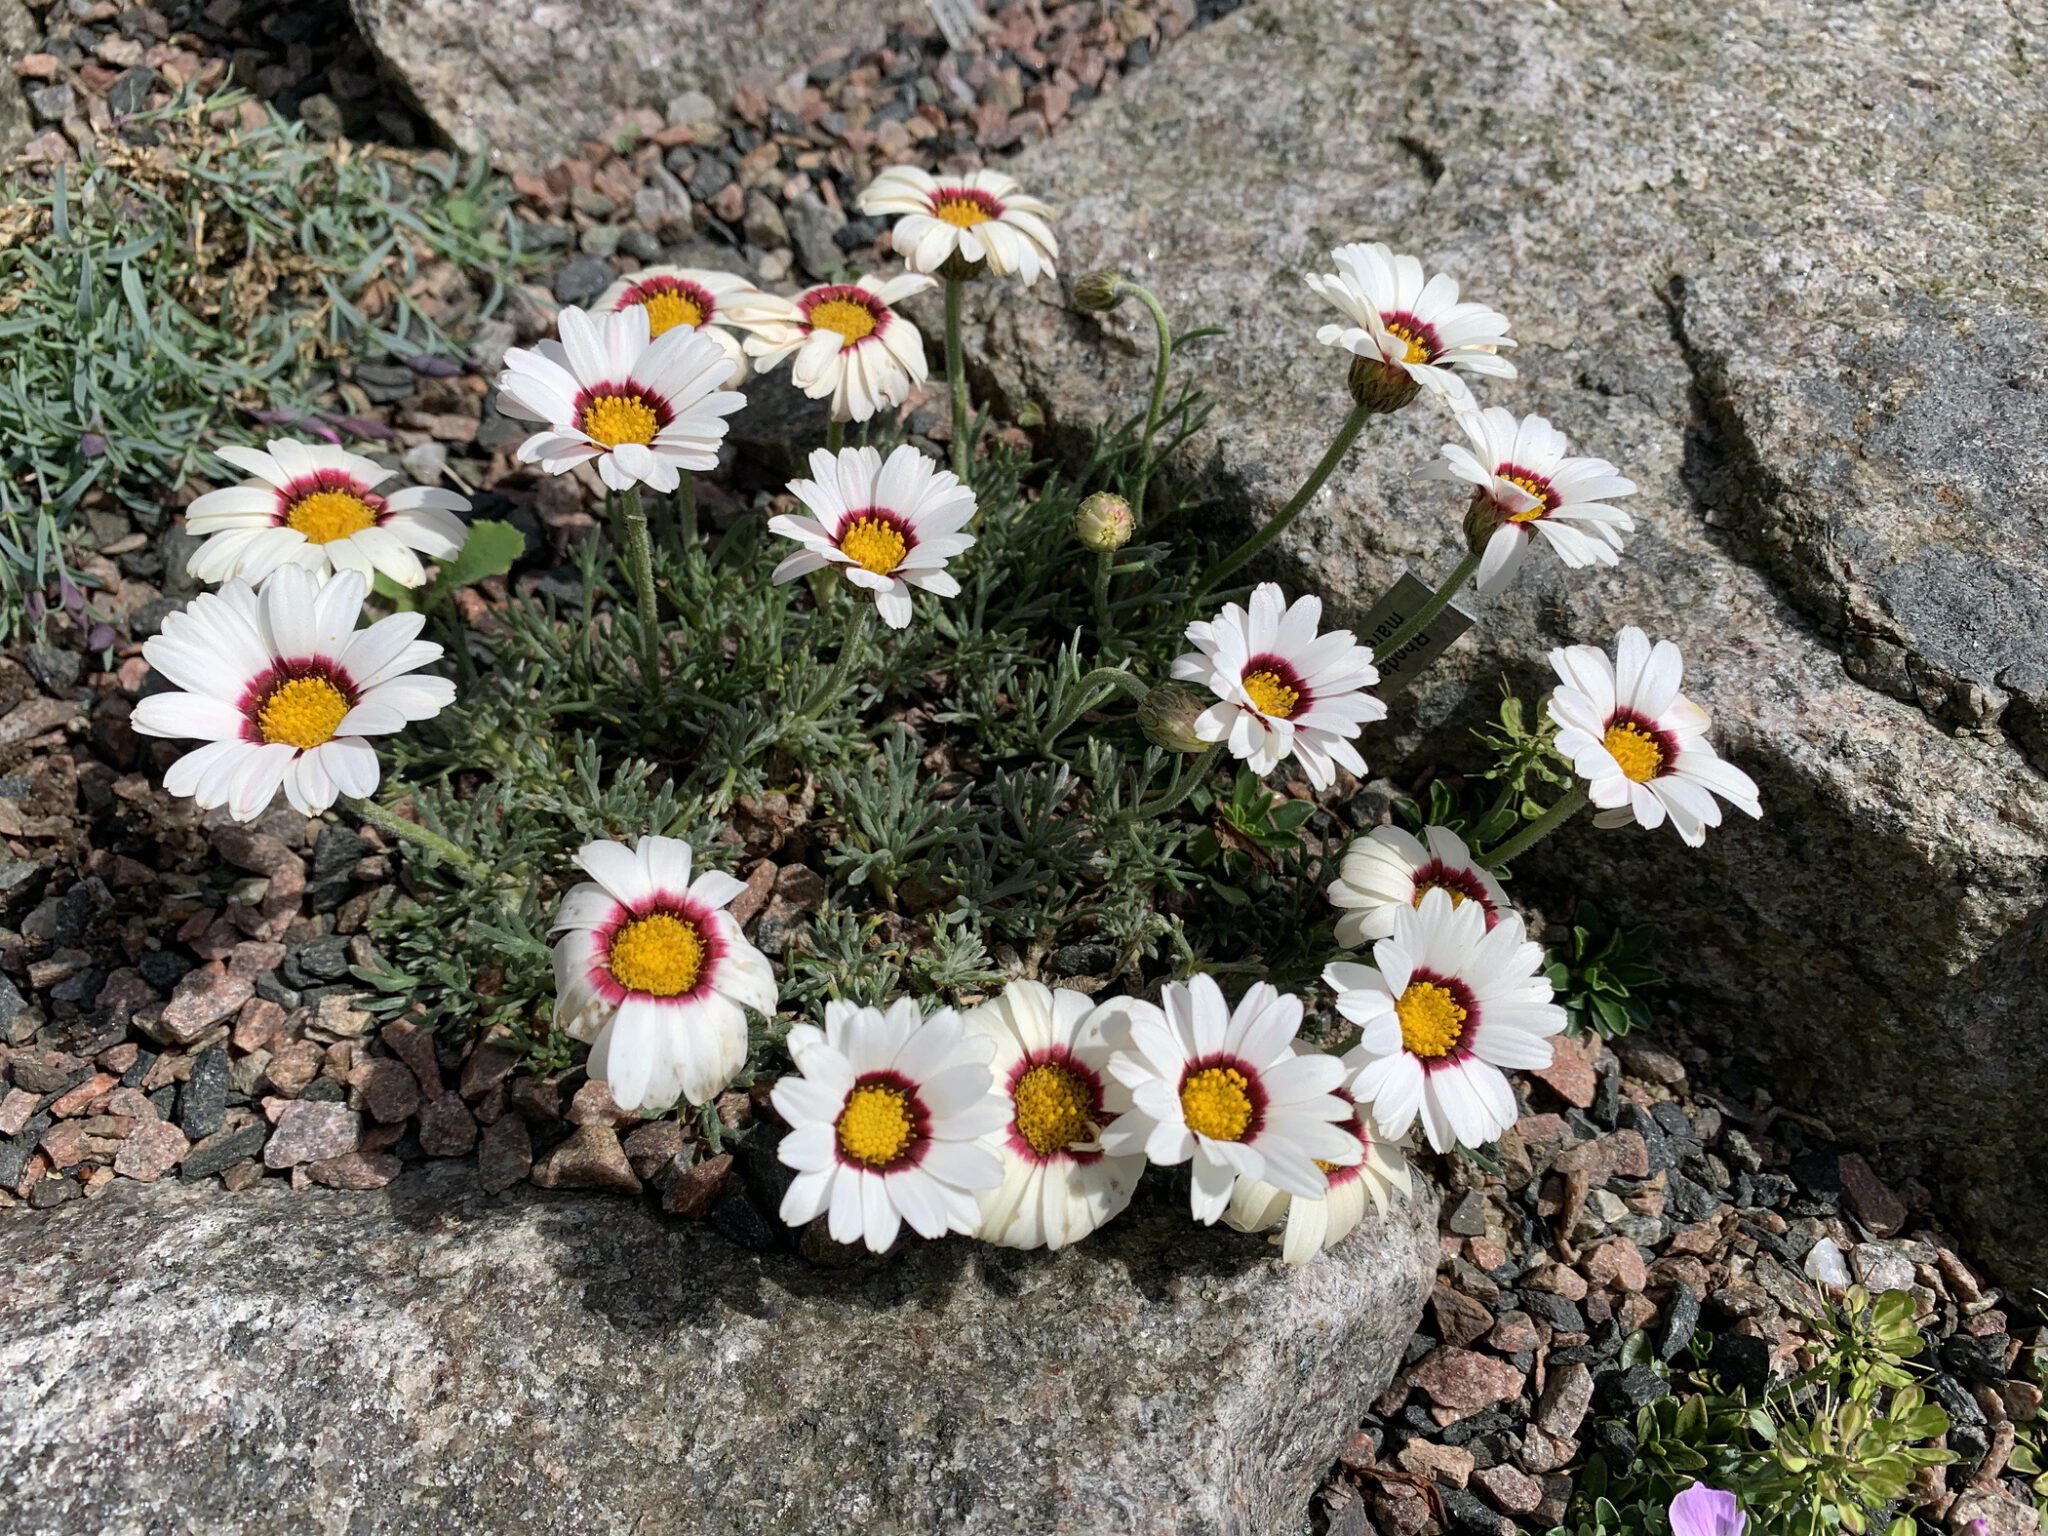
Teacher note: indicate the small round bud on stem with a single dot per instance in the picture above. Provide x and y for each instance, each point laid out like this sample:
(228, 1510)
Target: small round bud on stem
(1381, 387)
(1482, 520)
(1099, 290)
(1103, 523)
(1167, 717)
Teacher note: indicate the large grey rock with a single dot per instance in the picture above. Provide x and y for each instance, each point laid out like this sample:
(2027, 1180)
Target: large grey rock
(426, 1358)
(1783, 264)
(19, 34)
(530, 82)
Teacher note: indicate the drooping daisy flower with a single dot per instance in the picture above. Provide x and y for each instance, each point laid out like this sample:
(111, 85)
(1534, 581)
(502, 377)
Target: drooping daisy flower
(316, 506)
(723, 305)
(1409, 332)
(1314, 1226)
(1281, 687)
(885, 1121)
(283, 689)
(1525, 486)
(1640, 744)
(1051, 1067)
(852, 347)
(652, 972)
(1446, 1003)
(956, 225)
(643, 410)
(1388, 869)
(889, 526)
(1227, 1089)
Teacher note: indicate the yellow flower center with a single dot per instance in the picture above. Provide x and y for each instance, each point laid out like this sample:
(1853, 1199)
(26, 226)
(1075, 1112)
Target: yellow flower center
(852, 321)
(1053, 1108)
(615, 419)
(873, 544)
(660, 954)
(1418, 349)
(304, 712)
(1535, 488)
(326, 516)
(1432, 1021)
(1217, 1102)
(1635, 749)
(1270, 695)
(960, 212)
(668, 308)
(876, 1127)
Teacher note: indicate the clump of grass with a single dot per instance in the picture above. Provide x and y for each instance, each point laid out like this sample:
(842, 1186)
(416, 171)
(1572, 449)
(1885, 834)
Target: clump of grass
(195, 270)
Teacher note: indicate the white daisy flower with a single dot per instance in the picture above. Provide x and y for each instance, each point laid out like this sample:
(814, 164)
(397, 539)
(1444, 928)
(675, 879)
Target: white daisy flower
(643, 410)
(723, 305)
(1315, 1226)
(1226, 1089)
(654, 974)
(1525, 486)
(1281, 687)
(885, 1123)
(1051, 1067)
(1389, 869)
(283, 688)
(889, 526)
(316, 506)
(1445, 1005)
(1640, 744)
(955, 225)
(851, 346)
(1413, 327)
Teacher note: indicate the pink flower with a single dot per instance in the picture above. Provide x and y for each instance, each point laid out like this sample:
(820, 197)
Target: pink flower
(1704, 1511)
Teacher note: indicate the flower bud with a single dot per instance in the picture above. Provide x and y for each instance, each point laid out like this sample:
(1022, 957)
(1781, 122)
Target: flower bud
(1482, 519)
(1099, 290)
(1167, 717)
(1103, 523)
(1381, 387)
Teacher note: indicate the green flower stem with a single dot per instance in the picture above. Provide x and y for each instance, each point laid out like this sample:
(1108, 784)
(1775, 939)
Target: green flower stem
(1104, 627)
(387, 820)
(1430, 609)
(956, 376)
(1146, 297)
(835, 434)
(686, 514)
(1095, 687)
(1537, 830)
(850, 649)
(1249, 549)
(640, 558)
(1192, 772)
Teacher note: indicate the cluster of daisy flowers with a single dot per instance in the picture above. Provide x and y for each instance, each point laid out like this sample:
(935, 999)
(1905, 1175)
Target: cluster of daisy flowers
(1026, 1121)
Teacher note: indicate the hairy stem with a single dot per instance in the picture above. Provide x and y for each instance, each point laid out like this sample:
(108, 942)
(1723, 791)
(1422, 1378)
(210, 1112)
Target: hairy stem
(835, 435)
(640, 558)
(850, 648)
(1095, 687)
(1192, 772)
(1250, 548)
(387, 820)
(1151, 302)
(956, 377)
(1537, 830)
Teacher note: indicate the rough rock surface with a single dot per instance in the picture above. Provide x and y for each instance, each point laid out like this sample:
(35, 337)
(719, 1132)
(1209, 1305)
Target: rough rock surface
(18, 34)
(1780, 264)
(531, 81)
(426, 1357)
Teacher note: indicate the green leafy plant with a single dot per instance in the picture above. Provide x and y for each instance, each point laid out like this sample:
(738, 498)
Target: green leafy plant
(1600, 972)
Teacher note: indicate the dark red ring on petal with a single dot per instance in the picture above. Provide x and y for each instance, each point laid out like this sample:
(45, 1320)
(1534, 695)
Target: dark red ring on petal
(1546, 493)
(1355, 1124)
(1064, 1058)
(895, 521)
(1255, 1085)
(698, 295)
(851, 293)
(1283, 669)
(265, 683)
(1667, 742)
(661, 904)
(590, 394)
(1436, 874)
(333, 481)
(1461, 1048)
(920, 1124)
(1405, 325)
(991, 206)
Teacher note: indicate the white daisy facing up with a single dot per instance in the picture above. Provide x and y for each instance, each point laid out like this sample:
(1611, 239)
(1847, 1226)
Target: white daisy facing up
(1407, 329)
(958, 224)
(1445, 1005)
(284, 690)
(653, 973)
(852, 347)
(316, 506)
(1640, 744)
(1390, 868)
(888, 525)
(886, 1118)
(1281, 687)
(1316, 1226)
(1523, 487)
(1226, 1089)
(1051, 1067)
(722, 305)
(643, 411)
